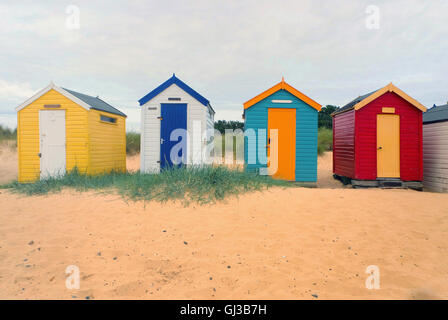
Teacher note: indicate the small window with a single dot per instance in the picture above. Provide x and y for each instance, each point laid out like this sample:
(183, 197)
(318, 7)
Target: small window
(108, 119)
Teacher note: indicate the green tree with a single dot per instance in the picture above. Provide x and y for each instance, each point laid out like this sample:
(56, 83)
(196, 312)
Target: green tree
(222, 125)
(324, 117)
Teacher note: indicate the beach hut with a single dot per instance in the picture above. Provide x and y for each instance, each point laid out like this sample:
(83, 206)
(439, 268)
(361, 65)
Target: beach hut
(377, 140)
(281, 134)
(435, 149)
(176, 125)
(60, 129)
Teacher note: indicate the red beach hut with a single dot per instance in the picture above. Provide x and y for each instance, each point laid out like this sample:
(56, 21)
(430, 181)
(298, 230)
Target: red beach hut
(377, 140)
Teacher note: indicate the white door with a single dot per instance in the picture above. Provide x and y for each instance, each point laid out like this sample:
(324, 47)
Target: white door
(150, 148)
(52, 143)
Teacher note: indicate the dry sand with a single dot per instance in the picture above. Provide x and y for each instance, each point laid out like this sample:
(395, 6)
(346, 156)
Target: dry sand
(276, 244)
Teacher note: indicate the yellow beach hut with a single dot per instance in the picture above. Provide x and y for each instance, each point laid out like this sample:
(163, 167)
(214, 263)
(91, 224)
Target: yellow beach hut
(60, 129)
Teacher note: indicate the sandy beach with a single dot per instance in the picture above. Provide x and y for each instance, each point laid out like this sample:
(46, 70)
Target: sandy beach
(276, 244)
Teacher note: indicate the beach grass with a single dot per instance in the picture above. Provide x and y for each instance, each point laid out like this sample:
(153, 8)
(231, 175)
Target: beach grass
(324, 140)
(202, 184)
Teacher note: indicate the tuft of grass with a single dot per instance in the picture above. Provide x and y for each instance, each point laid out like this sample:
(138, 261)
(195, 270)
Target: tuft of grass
(202, 184)
(132, 143)
(324, 140)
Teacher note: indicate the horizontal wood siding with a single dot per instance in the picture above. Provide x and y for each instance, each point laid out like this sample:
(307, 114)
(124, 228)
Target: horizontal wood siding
(306, 142)
(411, 160)
(77, 143)
(256, 118)
(435, 156)
(107, 143)
(344, 144)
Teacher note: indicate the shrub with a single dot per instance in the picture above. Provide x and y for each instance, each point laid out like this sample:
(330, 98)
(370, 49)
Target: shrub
(7, 134)
(132, 143)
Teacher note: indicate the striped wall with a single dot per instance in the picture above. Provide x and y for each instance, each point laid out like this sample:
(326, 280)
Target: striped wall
(435, 156)
(107, 143)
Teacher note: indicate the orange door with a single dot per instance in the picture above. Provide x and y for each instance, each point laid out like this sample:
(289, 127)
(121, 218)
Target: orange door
(282, 143)
(388, 146)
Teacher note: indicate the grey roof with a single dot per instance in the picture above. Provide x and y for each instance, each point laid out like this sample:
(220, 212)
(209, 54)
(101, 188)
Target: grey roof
(436, 114)
(96, 103)
(352, 103)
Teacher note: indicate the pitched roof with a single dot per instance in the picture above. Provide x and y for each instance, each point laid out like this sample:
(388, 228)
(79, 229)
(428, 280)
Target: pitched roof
(96, 103)
(436, 114)
(85, 101)
(180, 84)
(363, 100)
(282, 86)
(352, 103)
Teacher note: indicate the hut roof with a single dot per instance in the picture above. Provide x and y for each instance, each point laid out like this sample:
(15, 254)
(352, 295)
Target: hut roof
(363, 100)
(175, 80)
(85, 101)
(436, 114)
(282, 86)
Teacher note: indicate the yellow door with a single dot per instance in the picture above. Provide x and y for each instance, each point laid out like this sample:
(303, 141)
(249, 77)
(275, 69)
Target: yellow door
(388, 146)
(282, 165)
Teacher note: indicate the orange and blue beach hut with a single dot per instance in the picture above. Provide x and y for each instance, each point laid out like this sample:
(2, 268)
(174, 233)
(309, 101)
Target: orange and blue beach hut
(294, 116)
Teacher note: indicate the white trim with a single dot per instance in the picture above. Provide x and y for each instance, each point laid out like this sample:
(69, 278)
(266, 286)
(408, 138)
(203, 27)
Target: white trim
(281, 101)
(58, 89)
(142, 141)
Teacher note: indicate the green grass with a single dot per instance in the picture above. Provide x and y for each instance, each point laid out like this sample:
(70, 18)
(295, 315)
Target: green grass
(204, 184)
(324, 140)
(132, 143)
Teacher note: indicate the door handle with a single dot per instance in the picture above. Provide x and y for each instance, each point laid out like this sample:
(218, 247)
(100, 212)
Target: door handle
(380, 148)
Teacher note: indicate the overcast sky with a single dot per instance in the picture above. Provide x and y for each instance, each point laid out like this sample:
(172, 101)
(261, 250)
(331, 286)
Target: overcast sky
(229, 51)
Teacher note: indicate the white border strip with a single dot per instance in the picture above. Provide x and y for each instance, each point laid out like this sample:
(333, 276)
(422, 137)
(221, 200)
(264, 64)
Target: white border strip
(281, 101)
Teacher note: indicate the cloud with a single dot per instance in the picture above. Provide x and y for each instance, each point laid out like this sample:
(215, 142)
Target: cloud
(13, 91)
(229, 51)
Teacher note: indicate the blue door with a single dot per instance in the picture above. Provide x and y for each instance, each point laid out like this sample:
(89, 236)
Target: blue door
(173, 128)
